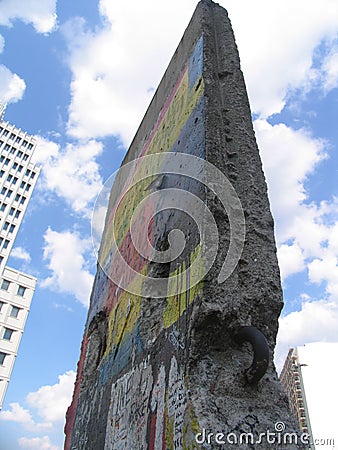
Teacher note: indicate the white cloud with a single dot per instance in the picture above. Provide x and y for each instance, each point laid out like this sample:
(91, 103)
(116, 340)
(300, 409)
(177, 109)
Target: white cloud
(71, 172)
(330, 67)
(37, 443)
(2, 43)
(44, 151)
(12, 87)
(318, 363)
(114, 67)
(316, 321)
(325, 269)
(17, 414)
(51, 402)
(280, 56)
(289, 156)
(291, 260)
(41, 14)
(23, 416)
(48, 403)
(65, 255)
(21, 253)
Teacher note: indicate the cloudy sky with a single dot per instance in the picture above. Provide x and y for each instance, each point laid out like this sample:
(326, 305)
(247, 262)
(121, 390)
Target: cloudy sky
(80, 75)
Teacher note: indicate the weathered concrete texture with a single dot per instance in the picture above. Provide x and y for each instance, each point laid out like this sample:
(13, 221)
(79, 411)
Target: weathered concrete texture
(155, 372)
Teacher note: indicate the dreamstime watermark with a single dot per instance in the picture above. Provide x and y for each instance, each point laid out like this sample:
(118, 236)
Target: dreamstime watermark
(137, 193)
(279, 436)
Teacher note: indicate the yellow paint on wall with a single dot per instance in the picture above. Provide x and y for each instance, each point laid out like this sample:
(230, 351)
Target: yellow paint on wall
(178, 303)
(176, 116)
(123, 318)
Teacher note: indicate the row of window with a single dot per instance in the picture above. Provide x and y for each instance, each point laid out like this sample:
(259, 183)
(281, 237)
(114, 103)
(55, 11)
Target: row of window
(5, 243)
(12, 179)
(18, 198)
(8, 192)
(14, 310)
(2, 358)
(14, 212)
(5, 285)
(7, 334)
(12, 150)
(8, 226)
(16, 138)
(15, 165)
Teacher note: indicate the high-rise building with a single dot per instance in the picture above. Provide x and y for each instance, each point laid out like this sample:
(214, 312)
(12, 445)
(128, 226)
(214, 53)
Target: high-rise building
(291, 379)
(18, 176)
(309, 380)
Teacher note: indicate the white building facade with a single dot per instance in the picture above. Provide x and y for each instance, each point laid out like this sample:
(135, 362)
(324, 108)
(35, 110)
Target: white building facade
(16, 292)
(18, 176)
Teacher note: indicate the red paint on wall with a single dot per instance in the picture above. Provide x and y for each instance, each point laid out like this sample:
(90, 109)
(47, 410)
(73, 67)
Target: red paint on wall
(71, 412)
(152, 432)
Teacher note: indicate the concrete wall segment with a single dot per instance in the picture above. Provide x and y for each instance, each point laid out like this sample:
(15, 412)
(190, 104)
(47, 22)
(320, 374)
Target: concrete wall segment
(154, 372)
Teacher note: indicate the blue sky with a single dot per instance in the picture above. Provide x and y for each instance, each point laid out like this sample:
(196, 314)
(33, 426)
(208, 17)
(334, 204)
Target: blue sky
(79, 75)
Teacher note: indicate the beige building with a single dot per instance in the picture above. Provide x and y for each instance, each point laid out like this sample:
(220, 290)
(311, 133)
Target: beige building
(18, 176)
(291, 380)
(309, 377)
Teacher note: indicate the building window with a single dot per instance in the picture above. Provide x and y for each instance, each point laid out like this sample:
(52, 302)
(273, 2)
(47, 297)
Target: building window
(1, 305)
(6, 162)
(17, 197)
(11, 211)
(18, 139)
(5, 285)
(6, 225)
(25, 157)
(32, 175)
(1, 259)
(20, 168)
(21, 291)
(8, 334)
(15, 179)
(22, 201)
(28, 187)
(3, 191)
(15, 165)
(30, 146)
(28, 172)
(2, 158)
(2, 358)
(6, 243)
(22, 185)
(7, 147)
(11, 228)
(12, 150)
(15, 312)
(9, 193)
(5, 132)
(20, 153)
(1, 173)
(24, 144)
(3, 207)
(17, 214)
(9, 178)
(12, 136)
